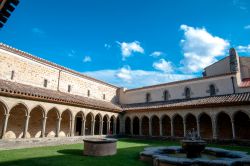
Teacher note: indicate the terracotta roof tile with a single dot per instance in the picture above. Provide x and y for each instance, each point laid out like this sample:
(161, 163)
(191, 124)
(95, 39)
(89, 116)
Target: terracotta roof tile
(13, 89)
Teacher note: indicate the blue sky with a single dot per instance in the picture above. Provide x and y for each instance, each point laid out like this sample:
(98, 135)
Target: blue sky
(131, 43)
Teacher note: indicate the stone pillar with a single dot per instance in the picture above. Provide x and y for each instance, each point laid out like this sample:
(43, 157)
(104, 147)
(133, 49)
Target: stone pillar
(214, 126)
(92, 127)
(160, 121)
(131, 127)
(140, 127)
(198, 127)
(5, 124)
(114, 127)
(172, 127)
(150, 127)
(83, 127)
(72, 127)
(58, 126)
(43, 127)
(26, 127)
(108, 127)
(233, 128)
(184, 127)
(101, 127)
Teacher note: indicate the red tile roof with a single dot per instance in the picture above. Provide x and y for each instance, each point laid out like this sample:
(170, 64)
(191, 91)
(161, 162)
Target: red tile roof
(245, 83)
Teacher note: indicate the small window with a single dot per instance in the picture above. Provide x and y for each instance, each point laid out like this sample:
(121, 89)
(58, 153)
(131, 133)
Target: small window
(12, 74)
(212, 90)
(148, 97)
(88, 93)
(103, 96)
(187, 93)
(69, 88)
(166, 95)
(45, 83)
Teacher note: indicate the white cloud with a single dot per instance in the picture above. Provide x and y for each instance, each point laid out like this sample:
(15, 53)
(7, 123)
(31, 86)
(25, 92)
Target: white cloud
(244, 49)
(247, 27)
(200, 48)
(163, 65)
(37, 31)
(87, 59)
(72, 53)
(107, 46)
(128, 48)
(126, 77)
(156, 53)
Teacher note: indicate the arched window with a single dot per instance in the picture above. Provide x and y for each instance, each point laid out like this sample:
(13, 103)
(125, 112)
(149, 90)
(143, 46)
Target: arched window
(187, 93)
(148, 97)
(166, 95)
(212, 90)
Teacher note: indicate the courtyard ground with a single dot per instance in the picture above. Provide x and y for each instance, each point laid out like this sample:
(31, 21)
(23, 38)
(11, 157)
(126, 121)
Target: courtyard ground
(71, 155)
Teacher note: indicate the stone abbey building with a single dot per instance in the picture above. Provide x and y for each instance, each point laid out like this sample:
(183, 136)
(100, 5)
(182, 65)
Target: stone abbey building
(40, 99)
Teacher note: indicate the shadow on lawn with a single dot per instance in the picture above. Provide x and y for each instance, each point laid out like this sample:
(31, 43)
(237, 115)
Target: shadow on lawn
(74, 157)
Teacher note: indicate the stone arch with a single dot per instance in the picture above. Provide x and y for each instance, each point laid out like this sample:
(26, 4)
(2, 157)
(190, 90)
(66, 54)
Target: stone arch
(166, 125)
(105, 125)
(88, 123)
(145, 125)
(3, 111)
(52, 122)
(16, 122)
(128, 126)
(205, 123)
(79, 120)
(65, 128)
(242, 125)
(118, 125)
(155, 125)
(112, 125)
(191, 122)
(37, 115)
(136, 124)
(224, 126)
(178, 126)
(98, 120)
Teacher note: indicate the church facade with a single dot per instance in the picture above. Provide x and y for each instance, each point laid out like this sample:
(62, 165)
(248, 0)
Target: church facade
(41, 99)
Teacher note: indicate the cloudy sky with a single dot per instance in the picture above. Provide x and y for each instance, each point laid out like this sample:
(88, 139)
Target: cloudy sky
(131, 43)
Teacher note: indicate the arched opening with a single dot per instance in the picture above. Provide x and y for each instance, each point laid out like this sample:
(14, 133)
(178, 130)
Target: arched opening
(79, 123)
(178, 126)
(36, 122)
(242, 125)
(206, 126)
(166, 126)
(224, 127)
(16, 121)
(155, 126)
(166, 95)
(2, 112)
(187, 93)
(127, 126)
(52, 122)
(191, 123)
(212, 90)
(65, 124)
(136, 123)
(145, 126)
(105, 125)
(118, 125)
(97, 124)
(88, 124)
(112, 123)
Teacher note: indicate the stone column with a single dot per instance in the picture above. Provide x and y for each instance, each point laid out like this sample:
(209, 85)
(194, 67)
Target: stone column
(43, 127)
(150, 127)
(184, 127)
(72, 127)
(214, 126)
(5, 124)
(26, 127)
(108, 127)
(58, 126)
(92, 127)
(198, 127)
(83, 127)
(140, 127)
(172, 127)
(233, 128)
(101, 127)
(131, 127)
(114, 127)
(160, 121)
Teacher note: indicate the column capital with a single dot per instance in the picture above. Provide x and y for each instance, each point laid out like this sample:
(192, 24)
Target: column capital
(59, 119)
(27, 116)
(45, 117)
(6, 115)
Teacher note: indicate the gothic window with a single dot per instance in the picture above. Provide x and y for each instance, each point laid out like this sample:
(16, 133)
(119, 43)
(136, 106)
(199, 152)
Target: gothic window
(45, 83)
(88, 93)
(187, 93)
(104, 96)
(12, 74)
(69, 88)
(166, 95)
(212, 90)
(148, 97)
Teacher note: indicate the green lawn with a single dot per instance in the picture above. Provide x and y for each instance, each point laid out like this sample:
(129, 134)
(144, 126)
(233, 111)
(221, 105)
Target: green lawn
(70, 155)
